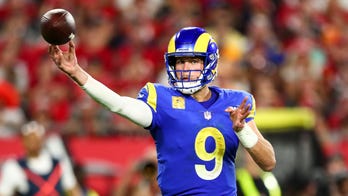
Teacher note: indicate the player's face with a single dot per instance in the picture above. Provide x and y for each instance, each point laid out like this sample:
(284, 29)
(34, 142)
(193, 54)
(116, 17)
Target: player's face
(188, 68)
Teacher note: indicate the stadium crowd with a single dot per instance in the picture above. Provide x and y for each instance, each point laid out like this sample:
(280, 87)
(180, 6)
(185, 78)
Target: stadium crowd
(288, 53)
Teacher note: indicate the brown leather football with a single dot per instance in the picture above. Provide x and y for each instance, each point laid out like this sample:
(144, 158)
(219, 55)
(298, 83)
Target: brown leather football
(57, 26)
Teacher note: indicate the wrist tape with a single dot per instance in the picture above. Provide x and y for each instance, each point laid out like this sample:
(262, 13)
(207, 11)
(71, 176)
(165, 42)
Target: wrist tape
(247, 137)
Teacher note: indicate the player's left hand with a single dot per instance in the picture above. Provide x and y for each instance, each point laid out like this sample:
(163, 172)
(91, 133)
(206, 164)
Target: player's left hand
(238, 115)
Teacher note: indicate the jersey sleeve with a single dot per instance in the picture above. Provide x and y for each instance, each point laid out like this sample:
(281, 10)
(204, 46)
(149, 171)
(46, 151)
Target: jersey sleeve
(252, 103)
(148, 94)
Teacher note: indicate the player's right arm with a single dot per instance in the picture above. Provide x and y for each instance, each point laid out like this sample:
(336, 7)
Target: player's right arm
(135, 110)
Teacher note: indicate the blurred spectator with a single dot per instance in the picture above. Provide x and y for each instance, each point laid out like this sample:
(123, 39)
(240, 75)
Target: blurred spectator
(342, 184)
(89, 118)
(338, 111)
(11, 114)
(302, 185)
(37, 172)
(331, 180)
(139, 8)
(265, 52)
(266, 92)
(12, 68)
(175, 14)
(232, 75)
(302, 72)
(232, 43)
(140, 179)
(49, 99)
(80, 173)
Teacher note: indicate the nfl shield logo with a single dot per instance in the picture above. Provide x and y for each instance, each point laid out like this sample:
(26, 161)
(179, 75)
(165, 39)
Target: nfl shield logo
(207, 115)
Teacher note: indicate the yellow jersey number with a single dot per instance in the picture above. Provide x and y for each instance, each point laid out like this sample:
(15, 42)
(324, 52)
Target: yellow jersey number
(202, 153)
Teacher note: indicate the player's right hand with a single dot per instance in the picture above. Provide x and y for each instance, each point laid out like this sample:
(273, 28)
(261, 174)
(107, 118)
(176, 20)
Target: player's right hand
(65, 60)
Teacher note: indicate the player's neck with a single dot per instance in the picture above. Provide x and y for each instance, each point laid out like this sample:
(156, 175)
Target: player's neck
(202, 95)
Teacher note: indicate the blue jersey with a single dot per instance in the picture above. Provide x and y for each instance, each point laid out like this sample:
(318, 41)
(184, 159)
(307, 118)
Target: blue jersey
(196, 146)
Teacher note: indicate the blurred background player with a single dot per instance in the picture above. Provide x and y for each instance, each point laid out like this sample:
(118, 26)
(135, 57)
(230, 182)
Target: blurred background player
(80, 173)
(37, 172)
(196, 127)
(252, 181)
(141, 177)
(140, 180)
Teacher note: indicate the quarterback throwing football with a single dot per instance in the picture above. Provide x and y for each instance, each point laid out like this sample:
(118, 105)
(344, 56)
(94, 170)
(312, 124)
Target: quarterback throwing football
(197, 128)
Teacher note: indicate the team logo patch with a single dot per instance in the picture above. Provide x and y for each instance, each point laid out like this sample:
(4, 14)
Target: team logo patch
(178, 102)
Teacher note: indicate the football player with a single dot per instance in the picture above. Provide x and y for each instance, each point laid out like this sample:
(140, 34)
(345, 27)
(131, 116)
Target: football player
(196, 127)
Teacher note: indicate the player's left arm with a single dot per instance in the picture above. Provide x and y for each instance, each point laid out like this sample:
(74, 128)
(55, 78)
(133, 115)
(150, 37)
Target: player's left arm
(262, 152)
(260, 149)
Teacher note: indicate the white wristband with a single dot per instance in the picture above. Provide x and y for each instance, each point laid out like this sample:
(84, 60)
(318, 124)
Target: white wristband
(247, 137)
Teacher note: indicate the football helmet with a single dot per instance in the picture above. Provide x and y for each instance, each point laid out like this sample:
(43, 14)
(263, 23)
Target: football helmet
(192, 42)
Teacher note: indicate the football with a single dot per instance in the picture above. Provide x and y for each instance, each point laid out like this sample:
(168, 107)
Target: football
(57, 26)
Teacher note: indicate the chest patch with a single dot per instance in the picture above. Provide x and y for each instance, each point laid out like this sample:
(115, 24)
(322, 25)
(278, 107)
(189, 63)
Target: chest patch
(178, 102)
